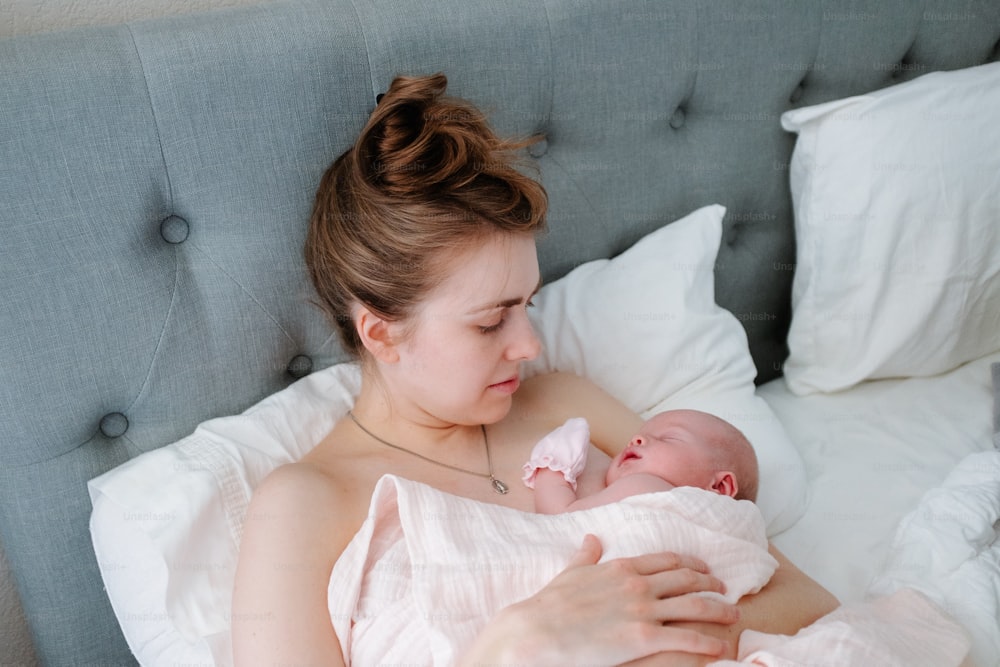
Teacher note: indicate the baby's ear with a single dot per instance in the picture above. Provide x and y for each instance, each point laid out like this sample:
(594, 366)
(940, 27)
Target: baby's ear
(724, 483)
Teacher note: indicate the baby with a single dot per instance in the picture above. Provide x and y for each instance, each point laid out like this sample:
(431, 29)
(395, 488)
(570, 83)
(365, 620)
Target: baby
(673, 448)
(690, 448)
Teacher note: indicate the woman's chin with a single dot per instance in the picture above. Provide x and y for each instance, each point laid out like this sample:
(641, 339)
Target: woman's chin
(497, 407)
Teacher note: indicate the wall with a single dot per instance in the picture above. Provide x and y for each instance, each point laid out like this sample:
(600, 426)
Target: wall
(24, 17)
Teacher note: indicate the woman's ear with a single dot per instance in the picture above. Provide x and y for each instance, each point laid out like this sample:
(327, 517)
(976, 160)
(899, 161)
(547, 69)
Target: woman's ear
(724, 483)
(376, 335)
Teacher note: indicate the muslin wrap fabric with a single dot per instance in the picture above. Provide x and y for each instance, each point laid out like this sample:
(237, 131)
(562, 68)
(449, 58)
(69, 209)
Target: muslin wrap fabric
(428, 569)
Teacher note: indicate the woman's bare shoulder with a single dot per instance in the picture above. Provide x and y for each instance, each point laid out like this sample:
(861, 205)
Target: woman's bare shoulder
(561, 389)
(563, 395)
(313, 503)
(299, 499)
(298, 483)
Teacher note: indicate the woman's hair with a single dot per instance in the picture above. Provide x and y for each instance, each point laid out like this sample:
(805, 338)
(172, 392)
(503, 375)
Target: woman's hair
(426, 177)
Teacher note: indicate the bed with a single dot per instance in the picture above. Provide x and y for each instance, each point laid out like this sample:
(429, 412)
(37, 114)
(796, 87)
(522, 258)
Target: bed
(825, 175)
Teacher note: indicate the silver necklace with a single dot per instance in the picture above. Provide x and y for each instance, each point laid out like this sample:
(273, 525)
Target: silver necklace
(498, 485)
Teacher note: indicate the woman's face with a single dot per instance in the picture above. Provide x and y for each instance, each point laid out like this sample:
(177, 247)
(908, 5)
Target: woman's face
(461, 355)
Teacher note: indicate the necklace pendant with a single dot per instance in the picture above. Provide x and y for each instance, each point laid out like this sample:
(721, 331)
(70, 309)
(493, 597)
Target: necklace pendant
(499, 486)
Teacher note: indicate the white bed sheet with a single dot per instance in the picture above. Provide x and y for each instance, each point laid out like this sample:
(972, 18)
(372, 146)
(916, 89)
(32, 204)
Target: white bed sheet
(871, 452)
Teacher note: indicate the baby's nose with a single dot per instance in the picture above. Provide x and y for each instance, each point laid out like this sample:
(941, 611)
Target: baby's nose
(638, 441)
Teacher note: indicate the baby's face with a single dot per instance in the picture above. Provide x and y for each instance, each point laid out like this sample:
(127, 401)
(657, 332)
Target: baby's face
(672, 446)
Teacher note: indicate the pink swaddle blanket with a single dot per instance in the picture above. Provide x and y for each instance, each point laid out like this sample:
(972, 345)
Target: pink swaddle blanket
(428, 569)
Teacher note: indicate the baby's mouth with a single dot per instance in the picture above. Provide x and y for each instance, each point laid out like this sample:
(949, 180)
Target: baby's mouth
(630, 454)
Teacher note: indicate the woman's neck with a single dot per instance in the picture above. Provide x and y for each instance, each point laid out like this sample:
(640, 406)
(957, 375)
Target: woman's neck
(406, 424)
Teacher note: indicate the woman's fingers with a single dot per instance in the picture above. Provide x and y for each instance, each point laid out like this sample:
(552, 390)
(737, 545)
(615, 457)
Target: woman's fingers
(683, 581)
(678, 658)
(623, 608)
(666, 560)
(682, 640)
(670, 574)
(673, 581)
(694, 608)
(665, 639)
(588, 553)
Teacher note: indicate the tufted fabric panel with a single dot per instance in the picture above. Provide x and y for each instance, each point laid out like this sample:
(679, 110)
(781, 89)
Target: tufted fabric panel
(156, 180)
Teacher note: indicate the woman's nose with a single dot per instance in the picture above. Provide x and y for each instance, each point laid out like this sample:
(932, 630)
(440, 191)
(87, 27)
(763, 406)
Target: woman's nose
(525, 346)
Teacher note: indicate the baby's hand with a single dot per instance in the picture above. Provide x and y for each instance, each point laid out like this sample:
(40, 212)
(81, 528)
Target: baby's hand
(564, 450)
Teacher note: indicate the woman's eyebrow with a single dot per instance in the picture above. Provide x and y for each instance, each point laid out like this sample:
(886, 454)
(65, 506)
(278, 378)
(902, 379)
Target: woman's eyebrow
(508, 303)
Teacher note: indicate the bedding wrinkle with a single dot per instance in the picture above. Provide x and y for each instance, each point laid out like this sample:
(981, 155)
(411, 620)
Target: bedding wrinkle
(995, 375)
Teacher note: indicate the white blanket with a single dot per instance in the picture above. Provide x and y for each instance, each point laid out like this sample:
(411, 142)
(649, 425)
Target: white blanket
(948, 549)
(428, 569)
(945, 555)
(902, 630)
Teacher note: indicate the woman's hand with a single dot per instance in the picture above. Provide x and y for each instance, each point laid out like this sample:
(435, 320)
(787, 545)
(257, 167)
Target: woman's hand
(609, 613)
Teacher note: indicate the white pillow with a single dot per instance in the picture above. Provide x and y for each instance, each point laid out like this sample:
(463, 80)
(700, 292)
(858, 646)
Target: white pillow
(897, 218)
(166, 525)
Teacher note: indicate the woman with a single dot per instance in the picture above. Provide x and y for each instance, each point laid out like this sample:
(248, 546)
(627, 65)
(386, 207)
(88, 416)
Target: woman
(422, 251)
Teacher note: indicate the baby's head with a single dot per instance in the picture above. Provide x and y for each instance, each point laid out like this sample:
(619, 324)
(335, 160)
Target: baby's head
(691, 448)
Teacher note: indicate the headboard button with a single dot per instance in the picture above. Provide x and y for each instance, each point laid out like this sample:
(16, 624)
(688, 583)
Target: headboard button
(539, 148)
(114, 425)
(174, 229)
(797, 93)
(677, 119)
(300, 366)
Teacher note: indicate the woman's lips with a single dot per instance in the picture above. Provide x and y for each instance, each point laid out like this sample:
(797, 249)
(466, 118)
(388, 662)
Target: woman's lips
(507, 386)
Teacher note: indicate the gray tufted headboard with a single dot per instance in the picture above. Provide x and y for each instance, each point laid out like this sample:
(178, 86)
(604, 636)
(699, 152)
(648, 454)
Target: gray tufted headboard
(156, 179)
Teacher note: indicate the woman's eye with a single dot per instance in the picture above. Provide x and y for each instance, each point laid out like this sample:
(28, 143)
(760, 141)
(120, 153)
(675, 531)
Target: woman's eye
(492, 327)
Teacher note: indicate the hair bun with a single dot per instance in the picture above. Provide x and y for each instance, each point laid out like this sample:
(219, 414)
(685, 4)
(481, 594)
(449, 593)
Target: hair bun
(419, 140)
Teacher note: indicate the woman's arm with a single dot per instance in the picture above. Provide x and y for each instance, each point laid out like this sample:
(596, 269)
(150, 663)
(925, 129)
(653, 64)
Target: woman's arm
(790, 601)
(289, 545)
